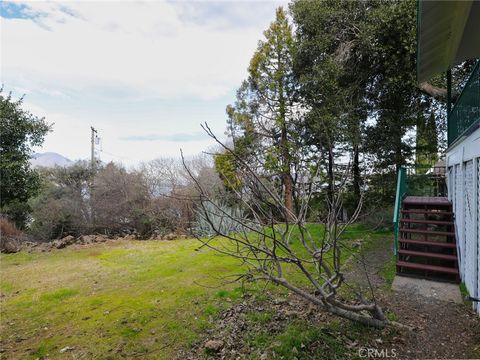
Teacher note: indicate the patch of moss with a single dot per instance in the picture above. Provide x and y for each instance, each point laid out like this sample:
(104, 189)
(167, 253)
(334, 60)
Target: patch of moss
(129, 332)
(58, 295)
(222, 294)
(6, 287)
(211, 309)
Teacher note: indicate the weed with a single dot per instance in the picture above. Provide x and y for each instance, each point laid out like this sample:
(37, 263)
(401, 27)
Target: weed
(391, 316)
(299, 339)
(41, 351)
(262, 317)
(388, 271)
(465, 294)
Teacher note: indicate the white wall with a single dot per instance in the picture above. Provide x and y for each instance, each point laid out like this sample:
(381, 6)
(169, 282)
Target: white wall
(463, 164)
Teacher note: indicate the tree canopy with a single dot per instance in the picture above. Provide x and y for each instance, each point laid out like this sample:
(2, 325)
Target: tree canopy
(262, 120)
(20, 132)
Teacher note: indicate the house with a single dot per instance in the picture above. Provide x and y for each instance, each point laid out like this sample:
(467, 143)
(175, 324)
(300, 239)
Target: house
(437, 235)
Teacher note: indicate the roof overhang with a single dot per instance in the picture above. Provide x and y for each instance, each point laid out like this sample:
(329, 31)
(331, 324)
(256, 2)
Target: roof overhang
(448, 32)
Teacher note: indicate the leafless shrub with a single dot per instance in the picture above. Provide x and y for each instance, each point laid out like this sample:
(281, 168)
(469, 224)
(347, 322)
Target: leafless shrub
(275, 245)
(8, 228)
(221, 215)
(119, 200)
(10, 237)
(174, 196)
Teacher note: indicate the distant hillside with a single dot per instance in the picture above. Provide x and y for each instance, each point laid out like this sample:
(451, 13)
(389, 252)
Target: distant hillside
(49, 159)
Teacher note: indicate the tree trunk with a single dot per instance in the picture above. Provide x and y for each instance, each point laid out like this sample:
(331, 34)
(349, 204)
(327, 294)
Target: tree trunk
(436, 92)
(331, 185)
(284, 150)
(356, 172)
(398, 152)
(286, 176)
(287, 181)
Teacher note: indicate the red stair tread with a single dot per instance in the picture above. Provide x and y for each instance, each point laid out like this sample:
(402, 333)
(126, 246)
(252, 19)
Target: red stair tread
(430, 211)
(417, 221)
(428, 254)
(429, 232)
(427, 267)
(427, 200)
(428, 243)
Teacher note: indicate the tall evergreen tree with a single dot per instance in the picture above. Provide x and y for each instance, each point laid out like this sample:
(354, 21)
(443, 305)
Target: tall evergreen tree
(262, 120)
(356, 68)
(393, 89)
(426, 149)
(332, 76)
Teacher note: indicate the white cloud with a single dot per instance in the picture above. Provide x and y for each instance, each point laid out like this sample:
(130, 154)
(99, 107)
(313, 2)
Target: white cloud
(144, 47)
(105, 63)
(71, 138)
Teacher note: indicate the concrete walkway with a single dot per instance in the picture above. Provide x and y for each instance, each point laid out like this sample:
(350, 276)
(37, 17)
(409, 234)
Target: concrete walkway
(433, 290)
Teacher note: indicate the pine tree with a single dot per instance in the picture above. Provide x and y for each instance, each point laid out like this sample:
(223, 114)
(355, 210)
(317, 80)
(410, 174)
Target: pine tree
(426, 153)
(261, 121)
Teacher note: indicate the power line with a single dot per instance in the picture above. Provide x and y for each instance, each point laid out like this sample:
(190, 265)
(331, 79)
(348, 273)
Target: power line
(117, 156)
(96, 140)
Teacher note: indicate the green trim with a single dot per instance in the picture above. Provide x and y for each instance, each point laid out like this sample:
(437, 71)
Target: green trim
(468, 81)
(451, 121)
(449, 102)
(401, 192)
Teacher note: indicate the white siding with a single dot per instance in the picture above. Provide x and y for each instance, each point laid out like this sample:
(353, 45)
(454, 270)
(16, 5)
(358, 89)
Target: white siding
(470, 243)
(459, 222)
(463, 162)
(451, 184)
(477, 292)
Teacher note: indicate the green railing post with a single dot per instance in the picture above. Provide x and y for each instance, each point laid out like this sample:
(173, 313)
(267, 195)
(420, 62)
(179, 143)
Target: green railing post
(401, 192)
(449, 105)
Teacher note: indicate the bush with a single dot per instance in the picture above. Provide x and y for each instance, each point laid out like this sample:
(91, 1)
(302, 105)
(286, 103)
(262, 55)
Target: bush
(20, 132)
(7, 228)
(378, 218)
(221, 216)
(10, 236)
(62, 206)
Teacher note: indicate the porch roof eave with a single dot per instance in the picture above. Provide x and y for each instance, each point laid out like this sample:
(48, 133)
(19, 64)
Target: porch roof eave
(448, 32)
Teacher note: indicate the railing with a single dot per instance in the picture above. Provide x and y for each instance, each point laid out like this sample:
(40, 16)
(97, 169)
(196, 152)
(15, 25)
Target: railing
(416, 181)
(401, 192)
(466, 111)
(426, 181)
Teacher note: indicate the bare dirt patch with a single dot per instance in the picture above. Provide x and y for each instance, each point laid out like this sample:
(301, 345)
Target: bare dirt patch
(442, 329)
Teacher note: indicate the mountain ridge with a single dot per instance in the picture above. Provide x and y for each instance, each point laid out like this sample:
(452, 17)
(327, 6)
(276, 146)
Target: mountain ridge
(49, 159)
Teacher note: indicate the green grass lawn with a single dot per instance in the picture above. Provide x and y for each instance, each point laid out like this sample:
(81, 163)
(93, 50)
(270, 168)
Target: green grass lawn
(115, 299)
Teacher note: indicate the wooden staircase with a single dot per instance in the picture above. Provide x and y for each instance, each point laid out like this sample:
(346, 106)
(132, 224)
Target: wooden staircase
(426, 244)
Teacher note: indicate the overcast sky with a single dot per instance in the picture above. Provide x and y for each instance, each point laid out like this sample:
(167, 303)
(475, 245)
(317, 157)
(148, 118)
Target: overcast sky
(145, 74)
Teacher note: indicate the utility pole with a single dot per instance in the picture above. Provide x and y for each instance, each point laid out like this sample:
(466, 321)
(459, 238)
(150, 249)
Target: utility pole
(94, 133)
